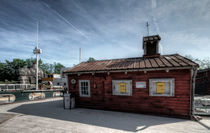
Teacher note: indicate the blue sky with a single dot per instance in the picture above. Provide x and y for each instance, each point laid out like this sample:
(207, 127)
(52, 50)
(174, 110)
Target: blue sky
(104, 29)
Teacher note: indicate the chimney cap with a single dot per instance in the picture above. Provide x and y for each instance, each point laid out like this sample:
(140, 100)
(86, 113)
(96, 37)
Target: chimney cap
(151, 38)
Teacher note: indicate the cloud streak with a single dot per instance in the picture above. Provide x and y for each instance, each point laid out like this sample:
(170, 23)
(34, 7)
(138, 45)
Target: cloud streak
(64, 19)
(103, 29)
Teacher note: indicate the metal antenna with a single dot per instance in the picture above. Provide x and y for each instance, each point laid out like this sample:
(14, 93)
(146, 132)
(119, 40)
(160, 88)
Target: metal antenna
(147, 28)
(37, 34)
(80, 55)
(37, 51)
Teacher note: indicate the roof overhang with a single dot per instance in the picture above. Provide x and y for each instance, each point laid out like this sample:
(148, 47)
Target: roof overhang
(130, 70)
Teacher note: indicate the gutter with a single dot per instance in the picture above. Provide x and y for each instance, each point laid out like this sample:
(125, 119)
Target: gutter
(192, 91)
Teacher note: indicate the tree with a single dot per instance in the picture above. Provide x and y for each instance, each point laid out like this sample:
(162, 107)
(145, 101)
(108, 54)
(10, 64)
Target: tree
(203, 63)
(58, 67)
(2, 71)
(91, 59)
(9, 70)
(31, 61)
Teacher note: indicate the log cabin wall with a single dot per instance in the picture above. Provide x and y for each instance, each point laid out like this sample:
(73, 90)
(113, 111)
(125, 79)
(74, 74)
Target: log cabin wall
(140, 101)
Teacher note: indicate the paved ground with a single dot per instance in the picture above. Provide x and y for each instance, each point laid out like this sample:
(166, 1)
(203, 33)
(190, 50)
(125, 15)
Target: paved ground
(49, 116)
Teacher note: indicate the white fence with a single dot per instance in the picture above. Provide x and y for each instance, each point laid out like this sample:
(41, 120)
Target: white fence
(17, 86)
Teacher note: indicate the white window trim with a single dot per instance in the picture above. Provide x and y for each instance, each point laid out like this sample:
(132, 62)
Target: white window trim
(172, 88)
(118, 94)
(80, 92)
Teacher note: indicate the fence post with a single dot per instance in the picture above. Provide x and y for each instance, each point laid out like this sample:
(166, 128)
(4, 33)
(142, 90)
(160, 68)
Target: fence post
(9, 98)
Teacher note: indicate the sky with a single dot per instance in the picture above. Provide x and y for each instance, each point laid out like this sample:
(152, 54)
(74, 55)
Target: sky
(103, 29)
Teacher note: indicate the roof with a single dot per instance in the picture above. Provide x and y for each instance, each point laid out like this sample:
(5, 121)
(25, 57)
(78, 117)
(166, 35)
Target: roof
(204, 70)
(164, 61)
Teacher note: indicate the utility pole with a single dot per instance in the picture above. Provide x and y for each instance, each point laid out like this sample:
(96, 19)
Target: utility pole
(37, 51)
(147, 28)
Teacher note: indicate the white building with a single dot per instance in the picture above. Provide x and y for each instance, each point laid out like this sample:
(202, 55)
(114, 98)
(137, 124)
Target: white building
(60, 80)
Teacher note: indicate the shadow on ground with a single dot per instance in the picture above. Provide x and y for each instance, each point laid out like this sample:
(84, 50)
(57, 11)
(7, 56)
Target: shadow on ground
(108, 119)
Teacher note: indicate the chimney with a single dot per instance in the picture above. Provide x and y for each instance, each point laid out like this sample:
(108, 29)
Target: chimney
(151, 46)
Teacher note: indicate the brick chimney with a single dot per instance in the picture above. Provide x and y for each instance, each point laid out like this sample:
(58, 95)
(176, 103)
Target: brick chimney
(151, 46)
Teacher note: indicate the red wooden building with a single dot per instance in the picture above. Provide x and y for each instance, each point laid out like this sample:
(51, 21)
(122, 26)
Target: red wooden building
(154, 83)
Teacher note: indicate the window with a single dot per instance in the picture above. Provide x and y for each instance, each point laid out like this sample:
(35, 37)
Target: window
(58, 83)
(122, 87)
(161, 87)
(84, 88)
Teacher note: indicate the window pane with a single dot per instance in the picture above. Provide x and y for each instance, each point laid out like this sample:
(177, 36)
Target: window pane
(84, 88)
(82, 84)
(167, 88)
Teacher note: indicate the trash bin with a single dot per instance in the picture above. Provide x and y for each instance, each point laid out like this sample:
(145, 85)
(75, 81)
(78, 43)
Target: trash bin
(67, 101)
(72, 101)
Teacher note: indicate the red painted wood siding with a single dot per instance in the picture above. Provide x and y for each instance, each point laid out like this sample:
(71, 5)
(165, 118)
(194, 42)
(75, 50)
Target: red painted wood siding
(140, 101)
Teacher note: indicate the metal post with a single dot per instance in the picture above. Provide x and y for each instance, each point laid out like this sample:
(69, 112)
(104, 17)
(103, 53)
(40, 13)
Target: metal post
(147, 28)
(37, 63)
(37, 71)
(80, 55)
(37, 51)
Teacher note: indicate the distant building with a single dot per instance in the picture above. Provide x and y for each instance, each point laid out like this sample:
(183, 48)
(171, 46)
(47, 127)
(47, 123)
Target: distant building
(154, 83)
(56, 81)
(28, 75)
(203, 82)
(59, 80)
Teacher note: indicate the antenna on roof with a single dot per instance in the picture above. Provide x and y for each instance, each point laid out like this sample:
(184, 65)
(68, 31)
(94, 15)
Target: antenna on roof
(80, 55)
(147, 28)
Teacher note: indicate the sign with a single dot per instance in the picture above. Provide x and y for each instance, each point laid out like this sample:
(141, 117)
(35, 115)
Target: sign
(47, 79)
(160, 87)
(140, 84)
(122, 87)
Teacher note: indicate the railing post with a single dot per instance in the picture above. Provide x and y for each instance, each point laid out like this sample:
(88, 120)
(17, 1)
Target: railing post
(9, 98)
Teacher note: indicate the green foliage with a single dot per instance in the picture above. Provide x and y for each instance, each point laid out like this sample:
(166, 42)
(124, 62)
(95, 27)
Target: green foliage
(9, 70)
(91, 59)
(58, 67)
(30, 62)
(203, 63)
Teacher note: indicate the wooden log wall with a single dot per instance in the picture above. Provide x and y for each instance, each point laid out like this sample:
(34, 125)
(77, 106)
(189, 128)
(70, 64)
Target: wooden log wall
(140, 101)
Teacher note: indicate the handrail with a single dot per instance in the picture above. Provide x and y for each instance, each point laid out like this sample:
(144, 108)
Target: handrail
(16, 86)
